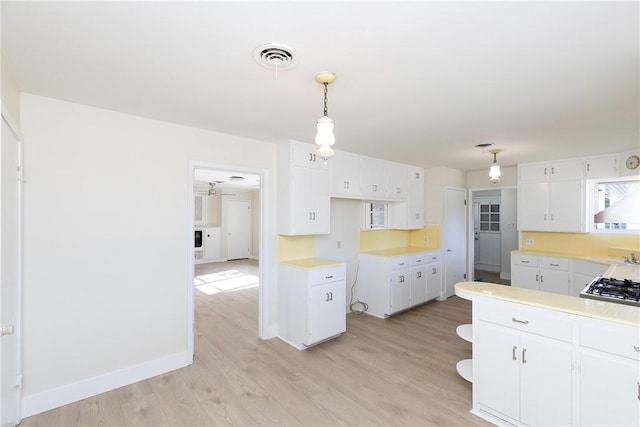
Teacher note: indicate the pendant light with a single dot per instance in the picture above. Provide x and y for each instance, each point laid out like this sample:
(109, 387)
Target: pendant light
(494, 171)
(324, 137)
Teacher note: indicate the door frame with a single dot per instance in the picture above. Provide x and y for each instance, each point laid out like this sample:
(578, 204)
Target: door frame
(8, 119)
(263, 273)
(470, 227)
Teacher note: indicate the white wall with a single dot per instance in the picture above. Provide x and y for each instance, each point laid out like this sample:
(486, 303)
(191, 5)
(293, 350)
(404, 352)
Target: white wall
(345, 228)
(105, 244)
(10, 93)
(436, 180)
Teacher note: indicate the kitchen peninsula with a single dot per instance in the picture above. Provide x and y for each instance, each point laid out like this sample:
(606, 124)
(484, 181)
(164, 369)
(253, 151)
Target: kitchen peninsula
(544, 359)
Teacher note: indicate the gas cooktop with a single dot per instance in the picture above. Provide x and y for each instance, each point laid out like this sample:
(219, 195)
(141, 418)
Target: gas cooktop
(613, 290)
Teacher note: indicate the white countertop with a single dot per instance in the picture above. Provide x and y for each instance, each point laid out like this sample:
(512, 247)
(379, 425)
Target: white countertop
(310, 263)
(390, 252)
(621, 313)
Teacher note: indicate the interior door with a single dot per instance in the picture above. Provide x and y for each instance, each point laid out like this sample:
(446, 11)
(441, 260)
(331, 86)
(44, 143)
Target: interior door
(238, 219)
(10, 277)
(454, 239)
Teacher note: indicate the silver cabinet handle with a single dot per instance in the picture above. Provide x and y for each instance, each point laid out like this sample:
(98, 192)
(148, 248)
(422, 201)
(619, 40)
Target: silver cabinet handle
(524, 351)
(554, 265)
(524, 322)
(329, 277)
(636, 348)
(524, 261)
(537, 277)
(513, 353)
(541, 276)
(419, 275)
(638, 390)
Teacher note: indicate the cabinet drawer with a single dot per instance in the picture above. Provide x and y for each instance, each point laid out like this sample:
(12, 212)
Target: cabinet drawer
(526, 260)
(554, 263)
(327, 274)
(400, 262)
(431, 257)
(527, 319)
(621, 340)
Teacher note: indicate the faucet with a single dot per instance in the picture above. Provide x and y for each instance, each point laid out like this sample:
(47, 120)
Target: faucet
(633, 259)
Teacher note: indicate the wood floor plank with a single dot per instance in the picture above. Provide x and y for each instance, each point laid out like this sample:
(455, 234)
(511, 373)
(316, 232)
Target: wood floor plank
(398, 371)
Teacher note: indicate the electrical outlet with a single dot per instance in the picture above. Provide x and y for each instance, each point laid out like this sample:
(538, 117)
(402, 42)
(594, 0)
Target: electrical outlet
(426, 239)
(529, 241)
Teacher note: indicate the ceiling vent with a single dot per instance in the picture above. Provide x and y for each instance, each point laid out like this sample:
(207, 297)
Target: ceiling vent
(275, 56)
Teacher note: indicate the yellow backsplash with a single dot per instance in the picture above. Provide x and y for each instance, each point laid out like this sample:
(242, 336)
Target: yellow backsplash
(583, 244)
(295, 247)
(374, 240)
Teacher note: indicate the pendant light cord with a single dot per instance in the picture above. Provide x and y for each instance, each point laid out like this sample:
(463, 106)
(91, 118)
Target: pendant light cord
(326, 91)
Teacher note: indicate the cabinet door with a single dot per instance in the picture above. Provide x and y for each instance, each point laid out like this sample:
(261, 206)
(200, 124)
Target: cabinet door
(567, 209)
(344, 169)
(532, 206)
(545, 381)
(616, 376)
(400, 291)
(418, 284)
(311, 201)
(565, 169)
(433, 280)
(374, 178)
(199, 210)
(601, 167)
(415, 199)
(533, 172)
(327, 312)
(555, 281)
(498, 353)
(398, 181)
(305, 155)
(525, 277)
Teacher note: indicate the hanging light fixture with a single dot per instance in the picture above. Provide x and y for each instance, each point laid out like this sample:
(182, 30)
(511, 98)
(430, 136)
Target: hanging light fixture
(494, 171)
(324, 137)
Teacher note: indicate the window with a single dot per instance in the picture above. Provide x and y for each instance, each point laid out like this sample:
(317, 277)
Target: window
(489, 217)
(616, 205)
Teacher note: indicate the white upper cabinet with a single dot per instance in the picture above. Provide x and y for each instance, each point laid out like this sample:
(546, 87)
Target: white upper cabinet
(601, 167)
(302, 154)
(304, 205)
(397, 181)
(551, 196)
(344, 169)
(409, 214)
(374, 178)
(558, 170)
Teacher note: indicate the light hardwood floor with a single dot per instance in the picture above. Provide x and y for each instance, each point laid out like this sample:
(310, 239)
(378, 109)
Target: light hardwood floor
(399, 371)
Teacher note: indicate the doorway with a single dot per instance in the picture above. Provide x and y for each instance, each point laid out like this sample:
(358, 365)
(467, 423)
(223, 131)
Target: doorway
(492, 225)
(224, 191)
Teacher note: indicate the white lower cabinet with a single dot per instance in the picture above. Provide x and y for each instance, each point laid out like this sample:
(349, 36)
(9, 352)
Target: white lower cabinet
(390, 284)
(609, 369)
(582, 273)
(524, 376)
(541, 367)
(548, 274)
(311, 303)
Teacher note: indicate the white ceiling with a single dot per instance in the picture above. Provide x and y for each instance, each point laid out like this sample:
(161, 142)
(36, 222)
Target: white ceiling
(417, 82)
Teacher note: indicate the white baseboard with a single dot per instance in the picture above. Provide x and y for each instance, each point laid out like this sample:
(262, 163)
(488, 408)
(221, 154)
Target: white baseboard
(54, 398)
